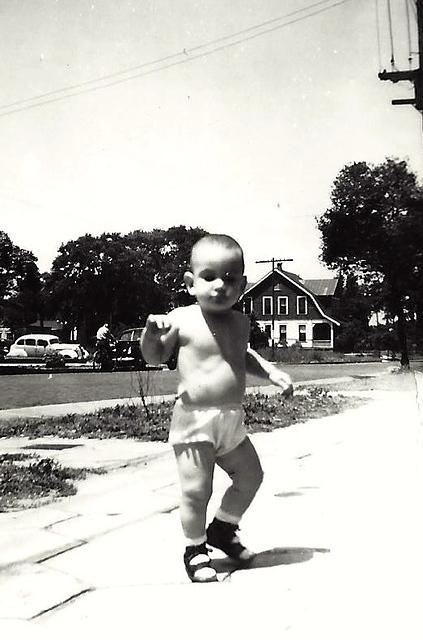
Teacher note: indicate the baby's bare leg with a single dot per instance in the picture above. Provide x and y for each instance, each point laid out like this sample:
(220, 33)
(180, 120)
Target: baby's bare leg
(195, 464)
(244, 468)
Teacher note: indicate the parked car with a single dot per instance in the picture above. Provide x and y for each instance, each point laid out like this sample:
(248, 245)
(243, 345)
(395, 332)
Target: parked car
(39, 345)
(129, 350)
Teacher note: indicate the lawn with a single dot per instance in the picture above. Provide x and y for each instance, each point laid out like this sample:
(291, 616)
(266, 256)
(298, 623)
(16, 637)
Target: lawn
(27, 481)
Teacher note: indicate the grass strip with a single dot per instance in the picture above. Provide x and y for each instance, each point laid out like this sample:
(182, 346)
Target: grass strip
(263, 413)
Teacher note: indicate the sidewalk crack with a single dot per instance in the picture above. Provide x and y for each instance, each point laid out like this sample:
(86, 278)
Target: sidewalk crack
(62, 603)
(59, 552)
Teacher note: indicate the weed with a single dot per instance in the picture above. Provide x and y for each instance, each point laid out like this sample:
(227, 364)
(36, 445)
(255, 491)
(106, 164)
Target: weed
(27, 477)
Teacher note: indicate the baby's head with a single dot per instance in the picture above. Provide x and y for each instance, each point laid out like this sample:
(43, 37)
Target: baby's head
(216, 277)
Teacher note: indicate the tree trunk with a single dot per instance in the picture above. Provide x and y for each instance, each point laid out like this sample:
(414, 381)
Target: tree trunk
(419, 327)
(402, 337)
(398, 309)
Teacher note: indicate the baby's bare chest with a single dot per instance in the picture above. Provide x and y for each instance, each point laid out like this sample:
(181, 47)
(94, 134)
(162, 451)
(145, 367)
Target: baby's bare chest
(227, 340)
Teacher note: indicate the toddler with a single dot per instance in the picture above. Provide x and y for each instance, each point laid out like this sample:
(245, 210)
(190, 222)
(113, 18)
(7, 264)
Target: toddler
(207, 425)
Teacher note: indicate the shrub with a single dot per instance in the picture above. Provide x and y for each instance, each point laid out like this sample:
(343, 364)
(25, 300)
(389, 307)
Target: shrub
(54, 360)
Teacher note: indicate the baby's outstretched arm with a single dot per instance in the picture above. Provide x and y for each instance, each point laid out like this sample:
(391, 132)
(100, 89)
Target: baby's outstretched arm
(159, 338)
(260, 367)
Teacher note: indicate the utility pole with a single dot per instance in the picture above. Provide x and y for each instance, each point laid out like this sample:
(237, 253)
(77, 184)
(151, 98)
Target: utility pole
(413, 75)
(273, 261)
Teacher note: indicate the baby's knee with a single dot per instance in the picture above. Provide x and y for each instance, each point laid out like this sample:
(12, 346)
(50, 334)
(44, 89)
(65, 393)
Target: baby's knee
(198, 492)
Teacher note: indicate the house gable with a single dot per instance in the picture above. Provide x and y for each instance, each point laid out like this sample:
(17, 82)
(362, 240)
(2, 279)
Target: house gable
(289, 297)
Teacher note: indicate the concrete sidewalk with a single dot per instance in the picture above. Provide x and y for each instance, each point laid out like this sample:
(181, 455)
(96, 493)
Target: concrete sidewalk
(337, 527)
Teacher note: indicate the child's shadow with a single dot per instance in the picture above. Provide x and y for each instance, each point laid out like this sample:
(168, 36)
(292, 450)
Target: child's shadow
(269, 558)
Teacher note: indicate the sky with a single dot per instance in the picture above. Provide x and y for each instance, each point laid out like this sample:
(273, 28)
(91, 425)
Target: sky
(240, 134)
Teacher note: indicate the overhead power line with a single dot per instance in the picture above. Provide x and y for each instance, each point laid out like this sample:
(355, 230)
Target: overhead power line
(413, 75)
(410, 54)
(166, 62)
(378, 34)
(391, 35)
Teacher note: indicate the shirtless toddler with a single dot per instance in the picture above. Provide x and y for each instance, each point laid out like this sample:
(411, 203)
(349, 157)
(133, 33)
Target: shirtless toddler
(207, 425)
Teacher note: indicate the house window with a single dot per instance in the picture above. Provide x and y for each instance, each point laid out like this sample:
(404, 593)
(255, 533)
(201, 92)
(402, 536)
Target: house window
(282, 305)
(282, 334)
(301, 305)
(248, 305)
(267, 305)
(321, 331)
(302, 333)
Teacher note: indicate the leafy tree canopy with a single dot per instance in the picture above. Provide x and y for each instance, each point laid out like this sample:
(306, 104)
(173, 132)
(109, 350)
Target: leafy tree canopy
(363, 229)
(374, 230)
(19, 282)
(120, 278)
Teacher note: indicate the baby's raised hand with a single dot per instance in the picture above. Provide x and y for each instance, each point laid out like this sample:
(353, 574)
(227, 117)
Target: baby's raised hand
(283, 380)
(158, 325)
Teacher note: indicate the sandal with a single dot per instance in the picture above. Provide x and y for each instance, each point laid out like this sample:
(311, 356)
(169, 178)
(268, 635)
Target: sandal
(198, 564)
(224, 536)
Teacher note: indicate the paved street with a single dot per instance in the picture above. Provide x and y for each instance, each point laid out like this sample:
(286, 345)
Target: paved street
(337, 526)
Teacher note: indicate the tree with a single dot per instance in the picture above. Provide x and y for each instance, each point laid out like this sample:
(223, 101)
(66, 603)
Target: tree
(119, 278)
(98, 279)
(258, 338)
(20, 283)
(169, 256)
(354, 309)
(373, 229)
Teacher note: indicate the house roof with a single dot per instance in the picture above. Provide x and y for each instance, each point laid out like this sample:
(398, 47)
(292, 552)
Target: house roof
(318, 287)
(322, 287)
(296, 281)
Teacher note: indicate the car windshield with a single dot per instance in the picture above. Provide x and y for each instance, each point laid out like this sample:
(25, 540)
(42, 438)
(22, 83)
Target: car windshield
(54, 340)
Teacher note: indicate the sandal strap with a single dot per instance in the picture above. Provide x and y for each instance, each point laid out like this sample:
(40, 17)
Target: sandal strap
(197, 558)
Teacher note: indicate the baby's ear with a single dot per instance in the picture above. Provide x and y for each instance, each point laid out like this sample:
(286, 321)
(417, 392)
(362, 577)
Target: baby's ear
(189, 282)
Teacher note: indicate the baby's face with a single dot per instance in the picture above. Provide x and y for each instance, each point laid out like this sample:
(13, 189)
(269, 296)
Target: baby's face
(217, 278)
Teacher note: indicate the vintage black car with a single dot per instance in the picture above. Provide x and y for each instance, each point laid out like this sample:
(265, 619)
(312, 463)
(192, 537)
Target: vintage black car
(128, 350)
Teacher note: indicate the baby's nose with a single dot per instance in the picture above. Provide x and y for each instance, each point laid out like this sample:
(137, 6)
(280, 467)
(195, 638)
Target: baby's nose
(219, 283)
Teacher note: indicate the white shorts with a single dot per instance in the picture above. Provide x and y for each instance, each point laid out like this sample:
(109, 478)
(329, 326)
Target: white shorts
(222, 426)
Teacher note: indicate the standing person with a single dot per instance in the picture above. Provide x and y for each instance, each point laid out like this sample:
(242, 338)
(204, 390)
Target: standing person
(207, 424)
